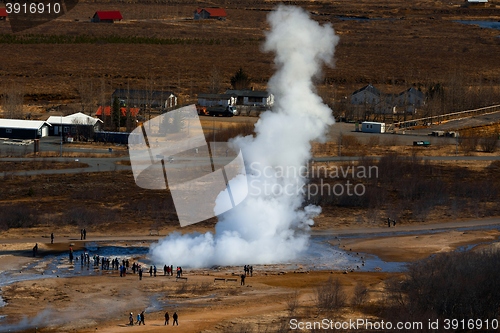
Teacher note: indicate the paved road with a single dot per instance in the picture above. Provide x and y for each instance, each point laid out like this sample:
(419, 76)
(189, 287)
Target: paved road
(415, 227)
(368, 232)
(94, 165)
(428, 158)
(106, 164)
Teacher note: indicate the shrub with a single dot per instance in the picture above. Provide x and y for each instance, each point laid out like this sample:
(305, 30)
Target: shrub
(360, 294)
(489, 143)
(468, 144)
(459, 285)
(21, 215)
(330, 295)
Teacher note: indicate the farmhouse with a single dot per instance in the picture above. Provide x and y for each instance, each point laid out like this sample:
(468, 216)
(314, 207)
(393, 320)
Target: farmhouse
(210, 13)
(146, 98)
(76, 125)
(372, 127)
(410, 100)
(23, 129)
(368, 95)
(107, 16)
(252, 97)
(3, 14)
(217, 99)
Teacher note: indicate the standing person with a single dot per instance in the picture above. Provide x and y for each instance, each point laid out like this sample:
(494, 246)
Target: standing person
(52, 238)
(164, 270)
(171, 270)
(142, 318)
(389, 222)
(84, 233)
(175, 317)
(140, 273)
(131, 319)
(242, 283)
(394, 223)
(138, 322)
(251, 270)
(81, 234)
(150, 270)
(167, 318)
(154, 271)
(35, 250)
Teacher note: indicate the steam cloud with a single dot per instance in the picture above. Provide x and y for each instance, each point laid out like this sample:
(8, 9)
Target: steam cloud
(270, 225)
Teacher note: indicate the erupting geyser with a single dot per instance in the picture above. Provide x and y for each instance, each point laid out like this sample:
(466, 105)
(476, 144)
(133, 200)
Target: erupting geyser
(270, 225)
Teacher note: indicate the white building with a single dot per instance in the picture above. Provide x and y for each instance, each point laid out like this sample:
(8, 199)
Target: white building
(23, 129)
(74, 124)
(252, 97)
(372, 127)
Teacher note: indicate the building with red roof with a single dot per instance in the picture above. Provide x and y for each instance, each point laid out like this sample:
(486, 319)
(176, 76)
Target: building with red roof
(3, 14)
(109, 16)
(210, 13)
(107, 112)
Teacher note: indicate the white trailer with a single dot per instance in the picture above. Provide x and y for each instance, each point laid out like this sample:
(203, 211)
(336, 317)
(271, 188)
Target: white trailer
(372, 127)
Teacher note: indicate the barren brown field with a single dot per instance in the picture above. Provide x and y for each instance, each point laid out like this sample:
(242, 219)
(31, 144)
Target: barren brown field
(391, 43)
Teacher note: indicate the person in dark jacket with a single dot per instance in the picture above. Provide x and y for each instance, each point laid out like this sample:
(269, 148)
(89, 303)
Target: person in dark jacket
(142, 318)
(175, 317)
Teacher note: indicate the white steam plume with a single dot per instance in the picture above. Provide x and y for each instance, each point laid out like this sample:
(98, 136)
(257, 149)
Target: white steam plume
(271, 224)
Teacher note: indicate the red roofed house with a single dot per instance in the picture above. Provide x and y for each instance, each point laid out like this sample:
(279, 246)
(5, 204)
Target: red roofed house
(107, 16)
(107, 111)
(210, 13)
(3, 14)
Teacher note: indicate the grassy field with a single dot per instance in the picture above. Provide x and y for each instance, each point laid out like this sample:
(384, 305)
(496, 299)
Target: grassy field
(387, 43)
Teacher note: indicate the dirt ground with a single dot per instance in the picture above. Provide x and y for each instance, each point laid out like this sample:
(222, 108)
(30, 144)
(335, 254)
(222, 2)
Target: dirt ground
(102, 301)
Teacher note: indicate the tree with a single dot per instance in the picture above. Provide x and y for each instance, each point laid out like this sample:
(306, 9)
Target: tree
(115, 116)
(215, 80)
(13, 101)
(240, 80)
(87, 95)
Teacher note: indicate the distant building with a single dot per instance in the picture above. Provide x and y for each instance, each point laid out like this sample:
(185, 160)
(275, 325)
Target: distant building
(210, 13)
(410, 100)
(146, 98)
(216, 100)
(372, 127)
(3, 14)
(476, 3)
(107, 16)
(23, 129)
(252, 97)
(368, 95)
(76, 125)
